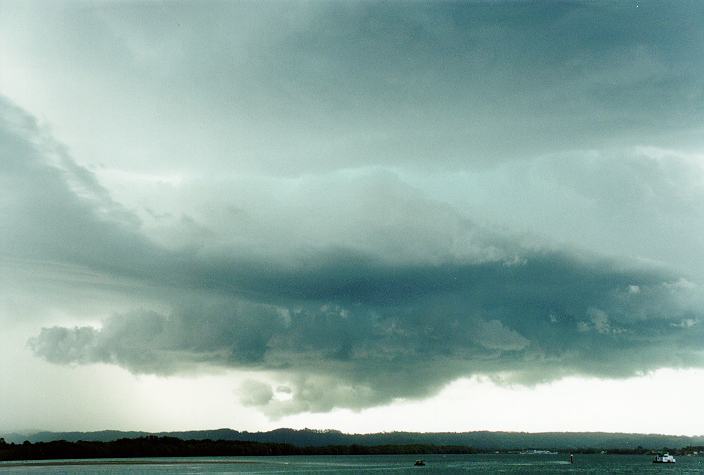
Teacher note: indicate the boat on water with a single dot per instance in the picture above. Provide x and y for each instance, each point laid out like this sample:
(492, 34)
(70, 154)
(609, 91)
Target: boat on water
(664, 458)
(419, 463)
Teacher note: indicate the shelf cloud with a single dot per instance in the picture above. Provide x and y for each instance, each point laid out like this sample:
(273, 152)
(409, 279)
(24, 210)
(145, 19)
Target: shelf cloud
(368, 325)
(361, 203)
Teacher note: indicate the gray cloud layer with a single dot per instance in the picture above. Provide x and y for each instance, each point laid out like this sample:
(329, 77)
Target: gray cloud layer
(329, 271)
(543, 319)
(330, 86)
(341, 325)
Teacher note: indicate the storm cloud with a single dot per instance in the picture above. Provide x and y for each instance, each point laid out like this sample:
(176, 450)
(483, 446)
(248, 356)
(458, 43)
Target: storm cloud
(362, 202)
(366, 327)
(347, 325)
(393, 333)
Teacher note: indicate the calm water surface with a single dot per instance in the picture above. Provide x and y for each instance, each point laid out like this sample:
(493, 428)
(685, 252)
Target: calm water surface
(361, 464)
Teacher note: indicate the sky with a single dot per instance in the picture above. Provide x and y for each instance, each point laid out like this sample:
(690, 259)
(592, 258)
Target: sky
(365, 216)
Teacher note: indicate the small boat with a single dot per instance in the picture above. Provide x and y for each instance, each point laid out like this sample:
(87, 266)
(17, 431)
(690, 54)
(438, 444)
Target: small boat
(419, 463)
(664, 458)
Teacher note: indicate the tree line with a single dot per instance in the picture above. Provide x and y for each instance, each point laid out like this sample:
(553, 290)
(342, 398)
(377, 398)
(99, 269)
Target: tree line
(155, 446)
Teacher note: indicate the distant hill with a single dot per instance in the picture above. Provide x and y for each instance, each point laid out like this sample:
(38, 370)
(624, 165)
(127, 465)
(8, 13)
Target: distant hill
(317, 438)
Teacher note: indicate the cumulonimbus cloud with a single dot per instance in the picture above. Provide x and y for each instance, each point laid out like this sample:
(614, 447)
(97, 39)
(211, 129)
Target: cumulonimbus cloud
(535, 323)
(340, 323)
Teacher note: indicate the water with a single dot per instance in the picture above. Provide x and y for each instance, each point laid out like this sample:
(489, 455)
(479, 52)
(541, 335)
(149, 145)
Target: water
(351, 464)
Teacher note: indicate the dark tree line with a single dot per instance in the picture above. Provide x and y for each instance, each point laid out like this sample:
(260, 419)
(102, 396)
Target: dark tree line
(163, 446)
(154, 446)
(481, 440)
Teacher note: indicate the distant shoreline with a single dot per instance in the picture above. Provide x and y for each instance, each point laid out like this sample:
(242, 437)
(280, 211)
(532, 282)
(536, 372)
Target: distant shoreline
(125, 461)
(479, 440)
(171, 447)
(287, 442)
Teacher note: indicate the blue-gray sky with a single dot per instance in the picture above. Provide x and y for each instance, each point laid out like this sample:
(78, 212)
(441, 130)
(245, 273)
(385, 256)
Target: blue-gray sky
(316, 207)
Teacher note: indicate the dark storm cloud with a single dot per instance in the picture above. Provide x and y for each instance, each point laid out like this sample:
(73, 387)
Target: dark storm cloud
(481, 82)
(330, 85)
(358, 288)
(345, 327)
(536, 321)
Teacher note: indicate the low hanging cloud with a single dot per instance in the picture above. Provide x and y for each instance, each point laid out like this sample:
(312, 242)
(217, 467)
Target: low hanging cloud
(378, 293)
(529, 324)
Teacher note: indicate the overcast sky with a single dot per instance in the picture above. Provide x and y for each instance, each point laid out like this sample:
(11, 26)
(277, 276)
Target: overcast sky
(353, 215)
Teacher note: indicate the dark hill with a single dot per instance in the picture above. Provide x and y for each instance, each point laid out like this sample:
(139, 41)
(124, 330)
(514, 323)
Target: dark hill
(319, 438)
